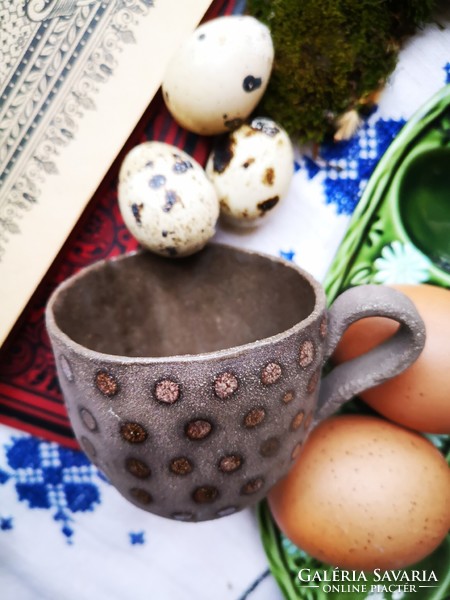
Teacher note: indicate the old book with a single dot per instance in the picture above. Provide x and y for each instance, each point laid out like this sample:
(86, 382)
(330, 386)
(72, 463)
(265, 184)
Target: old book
(75, 77)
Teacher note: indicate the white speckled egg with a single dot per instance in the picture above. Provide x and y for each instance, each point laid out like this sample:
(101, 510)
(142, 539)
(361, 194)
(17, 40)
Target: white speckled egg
(219, 74)
(251, 169)
(166, 200)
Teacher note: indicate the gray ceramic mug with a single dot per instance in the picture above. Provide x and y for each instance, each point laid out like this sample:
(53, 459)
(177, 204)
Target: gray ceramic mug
(193, 383)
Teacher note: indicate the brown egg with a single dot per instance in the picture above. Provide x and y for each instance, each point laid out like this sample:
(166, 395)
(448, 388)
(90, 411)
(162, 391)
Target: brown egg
(420, 396)
(365, 494)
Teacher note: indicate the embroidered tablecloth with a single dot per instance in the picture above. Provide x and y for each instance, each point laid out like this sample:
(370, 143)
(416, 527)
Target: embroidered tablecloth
(65, 533)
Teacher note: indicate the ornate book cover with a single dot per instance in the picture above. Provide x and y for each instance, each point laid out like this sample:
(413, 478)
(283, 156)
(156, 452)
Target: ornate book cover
(75, 77)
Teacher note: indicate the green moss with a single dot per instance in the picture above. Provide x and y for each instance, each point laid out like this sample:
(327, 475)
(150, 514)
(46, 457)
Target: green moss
(329, 54)
(407, 15)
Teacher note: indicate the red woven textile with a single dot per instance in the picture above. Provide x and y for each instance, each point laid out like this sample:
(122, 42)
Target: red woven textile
(30, 397)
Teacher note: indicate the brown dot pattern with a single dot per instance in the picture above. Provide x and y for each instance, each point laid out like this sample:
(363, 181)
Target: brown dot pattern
(66, 368)
(323, 328)
(270, 447)
(252, 486)
(181, 466)
(254, 417)
(205, 494)
(271, 373)
(88, 419)
(106, 384)
(297, 420)
(88, 446)
(141, 495)
(133, 433)
(288, 396)
(137, 467)
(312, 383)
(308, 420)
(306, 353)
(230, 463)
(198, 429)
(225, 385)
(167, 391)
(296, 451)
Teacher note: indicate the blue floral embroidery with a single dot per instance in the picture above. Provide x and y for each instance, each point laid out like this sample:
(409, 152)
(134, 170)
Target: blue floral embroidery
(348, 165)
(48, 476)
(312, 167)
(3, 477)
(447, 72)
(137, 538)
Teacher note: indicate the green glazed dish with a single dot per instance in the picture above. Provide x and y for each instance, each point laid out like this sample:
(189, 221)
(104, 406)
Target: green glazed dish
(423, 206)
(404, 212)
(399, 233)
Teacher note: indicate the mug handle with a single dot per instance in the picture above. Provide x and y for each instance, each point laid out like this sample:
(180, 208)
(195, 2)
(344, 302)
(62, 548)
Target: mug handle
(382, 362)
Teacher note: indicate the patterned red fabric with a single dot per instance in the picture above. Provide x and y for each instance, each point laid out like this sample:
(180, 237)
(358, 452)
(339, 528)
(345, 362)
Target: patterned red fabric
(30, 398)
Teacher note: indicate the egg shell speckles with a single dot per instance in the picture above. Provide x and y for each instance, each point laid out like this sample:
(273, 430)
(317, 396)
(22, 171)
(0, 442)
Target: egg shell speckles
(365, 494)
(251, 169)
(219, 74)
(166, 200)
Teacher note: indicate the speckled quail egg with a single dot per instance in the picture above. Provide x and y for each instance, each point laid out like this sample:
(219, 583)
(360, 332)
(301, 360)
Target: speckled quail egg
(166, 200)
(251, 169)
(219, 74)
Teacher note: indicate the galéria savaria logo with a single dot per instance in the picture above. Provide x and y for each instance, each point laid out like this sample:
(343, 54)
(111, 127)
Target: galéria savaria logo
(375, 585)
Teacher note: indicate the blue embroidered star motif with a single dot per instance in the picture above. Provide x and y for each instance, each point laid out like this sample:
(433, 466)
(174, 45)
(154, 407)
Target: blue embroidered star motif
(288, 255)
(6, 523)
(48, 476)
(137, 538)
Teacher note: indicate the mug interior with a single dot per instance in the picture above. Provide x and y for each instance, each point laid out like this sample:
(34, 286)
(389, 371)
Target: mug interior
(144, 305)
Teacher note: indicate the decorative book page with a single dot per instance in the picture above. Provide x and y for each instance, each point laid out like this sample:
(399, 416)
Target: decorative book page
(75, 77)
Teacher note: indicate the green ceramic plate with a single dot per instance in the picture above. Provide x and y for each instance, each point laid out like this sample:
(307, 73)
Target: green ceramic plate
(399, 233)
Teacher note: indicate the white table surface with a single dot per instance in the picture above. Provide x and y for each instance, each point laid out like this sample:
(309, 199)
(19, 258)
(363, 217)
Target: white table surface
(104, 548)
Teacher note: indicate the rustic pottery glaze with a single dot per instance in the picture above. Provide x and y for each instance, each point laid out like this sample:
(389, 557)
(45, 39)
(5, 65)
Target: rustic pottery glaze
(192, 384)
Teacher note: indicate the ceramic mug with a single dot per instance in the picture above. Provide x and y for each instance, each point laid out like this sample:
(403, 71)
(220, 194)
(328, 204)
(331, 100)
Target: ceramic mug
(192, 384)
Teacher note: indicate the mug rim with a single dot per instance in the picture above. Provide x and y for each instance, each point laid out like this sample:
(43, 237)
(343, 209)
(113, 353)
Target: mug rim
(55, 330)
